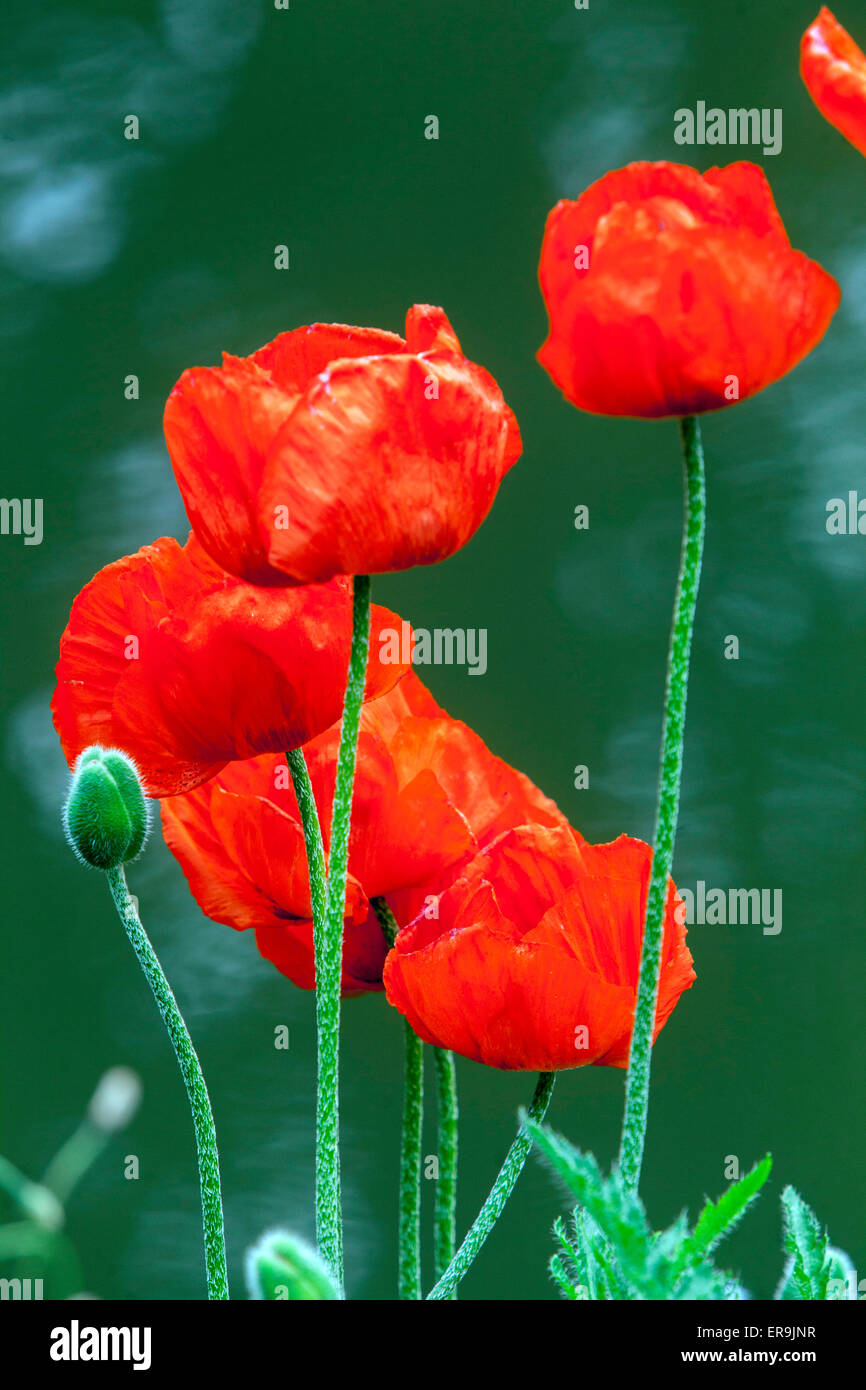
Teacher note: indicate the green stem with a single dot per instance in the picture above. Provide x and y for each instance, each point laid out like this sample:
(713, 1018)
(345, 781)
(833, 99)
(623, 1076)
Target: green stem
(499, 1192)
(409, 1237)
(72, 1161)
(445, 1208)
(36, 1200)
(676, 689)
(409, 1256)
(386, 918)
(329, 1220)
(190, 1070)
(327, 1180)
(316, 866)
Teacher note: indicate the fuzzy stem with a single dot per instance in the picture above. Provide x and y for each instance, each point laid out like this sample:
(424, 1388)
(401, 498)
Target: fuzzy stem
(445, 1208)
(190, 1070)
(670, 771)
(499, 1192)
(329, 1218)
(409, 1229)
(409, 1248)
(316, 866)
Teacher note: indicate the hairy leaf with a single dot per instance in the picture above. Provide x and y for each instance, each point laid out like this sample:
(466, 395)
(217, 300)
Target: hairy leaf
(811, 1265)
(719, 1218)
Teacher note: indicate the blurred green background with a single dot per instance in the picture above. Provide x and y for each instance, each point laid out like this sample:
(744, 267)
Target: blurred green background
(306, 127)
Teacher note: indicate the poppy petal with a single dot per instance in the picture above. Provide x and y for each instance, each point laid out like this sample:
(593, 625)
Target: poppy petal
(428, 792)
(686, 296)
(385, 464)
(532, 960)
(338, 450)
(186, 668)
(834, 71)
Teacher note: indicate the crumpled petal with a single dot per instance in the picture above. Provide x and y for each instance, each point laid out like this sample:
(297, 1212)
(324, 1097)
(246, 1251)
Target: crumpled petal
(186, 668)
(532, 962)
(338, 450)
(692, 298)
(428, 794)
(834, 71)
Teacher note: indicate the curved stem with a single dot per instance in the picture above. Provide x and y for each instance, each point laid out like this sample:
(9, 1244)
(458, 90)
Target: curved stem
(190, 1070)
(409, 1256)
(316, 867)
(445, 1208)
(329, 1219)
(499, 1192)
(637, 1085)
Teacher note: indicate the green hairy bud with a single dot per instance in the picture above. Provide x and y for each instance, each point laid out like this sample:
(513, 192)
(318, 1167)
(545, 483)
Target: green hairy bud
(281, 1265)
(106, 814)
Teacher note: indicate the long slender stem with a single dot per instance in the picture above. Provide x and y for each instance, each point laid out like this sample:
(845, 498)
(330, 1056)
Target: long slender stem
(329, 1220)
(499, 1193)
(190, 1070)
(327, 1180)
(409, 1229)
(316, 866)
(409, 1245)
(445, 1207)
(670, 770)
(72, 1161)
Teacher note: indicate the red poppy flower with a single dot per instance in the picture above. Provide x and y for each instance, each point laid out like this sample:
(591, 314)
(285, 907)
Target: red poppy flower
(834, 71)
(428, 793)
(337, 450)
(670, 292)
(185, 668)
(533, 961)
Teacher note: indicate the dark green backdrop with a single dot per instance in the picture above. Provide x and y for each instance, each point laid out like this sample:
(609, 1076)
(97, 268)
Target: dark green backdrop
(306, 127)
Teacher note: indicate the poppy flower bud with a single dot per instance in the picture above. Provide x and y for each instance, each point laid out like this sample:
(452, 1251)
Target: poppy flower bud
(105, 816)
(282, 1266)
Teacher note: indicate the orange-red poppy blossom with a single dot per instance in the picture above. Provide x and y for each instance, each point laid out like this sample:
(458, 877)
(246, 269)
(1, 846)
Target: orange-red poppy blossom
(532, 962)
(185, 668)
(428, 793)
(336, 451)
(834, 71)
(670, 292)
